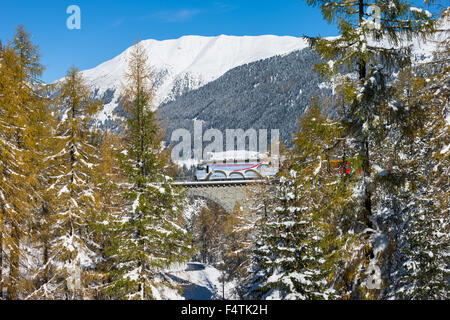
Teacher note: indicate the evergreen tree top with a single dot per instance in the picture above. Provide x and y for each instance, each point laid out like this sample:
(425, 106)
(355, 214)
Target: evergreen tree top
(29, 56)
(371, 31)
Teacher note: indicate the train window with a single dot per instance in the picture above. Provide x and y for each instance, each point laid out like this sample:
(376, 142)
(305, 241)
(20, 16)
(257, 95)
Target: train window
(247, 160)
(235, 161)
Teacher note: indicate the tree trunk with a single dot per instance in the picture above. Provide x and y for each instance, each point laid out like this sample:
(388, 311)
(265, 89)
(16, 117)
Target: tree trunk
(365, 145)
(45, 243)
(12, 293)
(367, 188)
(2, 223)
(1, 264)
(362, 63)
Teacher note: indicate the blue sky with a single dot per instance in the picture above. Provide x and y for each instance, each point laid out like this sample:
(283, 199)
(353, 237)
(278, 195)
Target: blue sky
(109, 27)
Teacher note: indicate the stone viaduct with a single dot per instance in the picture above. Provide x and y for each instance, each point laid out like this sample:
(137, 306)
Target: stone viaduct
(225, 193)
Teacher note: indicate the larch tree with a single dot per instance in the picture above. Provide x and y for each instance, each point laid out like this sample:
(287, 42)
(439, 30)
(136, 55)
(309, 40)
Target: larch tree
(11, 197)
(209, 233)
(239, 231)
(73, 192)
(148, 237)
(24, 116)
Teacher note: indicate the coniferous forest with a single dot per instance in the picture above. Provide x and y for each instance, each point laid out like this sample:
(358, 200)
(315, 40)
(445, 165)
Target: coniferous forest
(360, 211)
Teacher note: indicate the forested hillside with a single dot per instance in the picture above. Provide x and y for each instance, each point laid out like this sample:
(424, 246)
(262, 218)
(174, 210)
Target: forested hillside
(267, 94)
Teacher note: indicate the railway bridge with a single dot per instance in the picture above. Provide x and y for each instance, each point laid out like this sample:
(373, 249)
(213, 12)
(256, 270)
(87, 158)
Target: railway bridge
(225, 193)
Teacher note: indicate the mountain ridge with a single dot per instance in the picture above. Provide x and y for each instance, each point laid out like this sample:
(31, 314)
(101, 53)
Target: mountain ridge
(186, 63)
(191, 62)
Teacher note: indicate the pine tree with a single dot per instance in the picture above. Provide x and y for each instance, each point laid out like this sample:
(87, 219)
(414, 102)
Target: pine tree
(302, 241)
(420, 260)
(110, 183)
(148, 238)
(371, 45)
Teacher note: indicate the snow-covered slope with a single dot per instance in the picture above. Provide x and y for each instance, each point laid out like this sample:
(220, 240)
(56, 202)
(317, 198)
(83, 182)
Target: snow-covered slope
(187, 63)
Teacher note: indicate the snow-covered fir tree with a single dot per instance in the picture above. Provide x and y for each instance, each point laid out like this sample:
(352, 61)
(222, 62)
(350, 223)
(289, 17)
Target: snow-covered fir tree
(111, 184)
(301, 243)
(419, 264)
(148, 236)
(262, 203)
(375, 39)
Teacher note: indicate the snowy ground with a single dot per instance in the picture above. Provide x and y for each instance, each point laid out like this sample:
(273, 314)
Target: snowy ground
(201, 282)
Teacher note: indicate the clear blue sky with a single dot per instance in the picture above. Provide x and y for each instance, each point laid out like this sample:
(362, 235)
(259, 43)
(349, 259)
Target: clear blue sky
(109, 27)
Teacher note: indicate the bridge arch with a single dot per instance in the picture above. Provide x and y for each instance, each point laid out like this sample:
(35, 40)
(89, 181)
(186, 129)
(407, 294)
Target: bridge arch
(220, 172)
(256, 172)
(240, 174)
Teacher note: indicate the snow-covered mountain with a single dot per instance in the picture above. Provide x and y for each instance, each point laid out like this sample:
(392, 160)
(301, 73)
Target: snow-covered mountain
(187, 63)
(190, 62)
